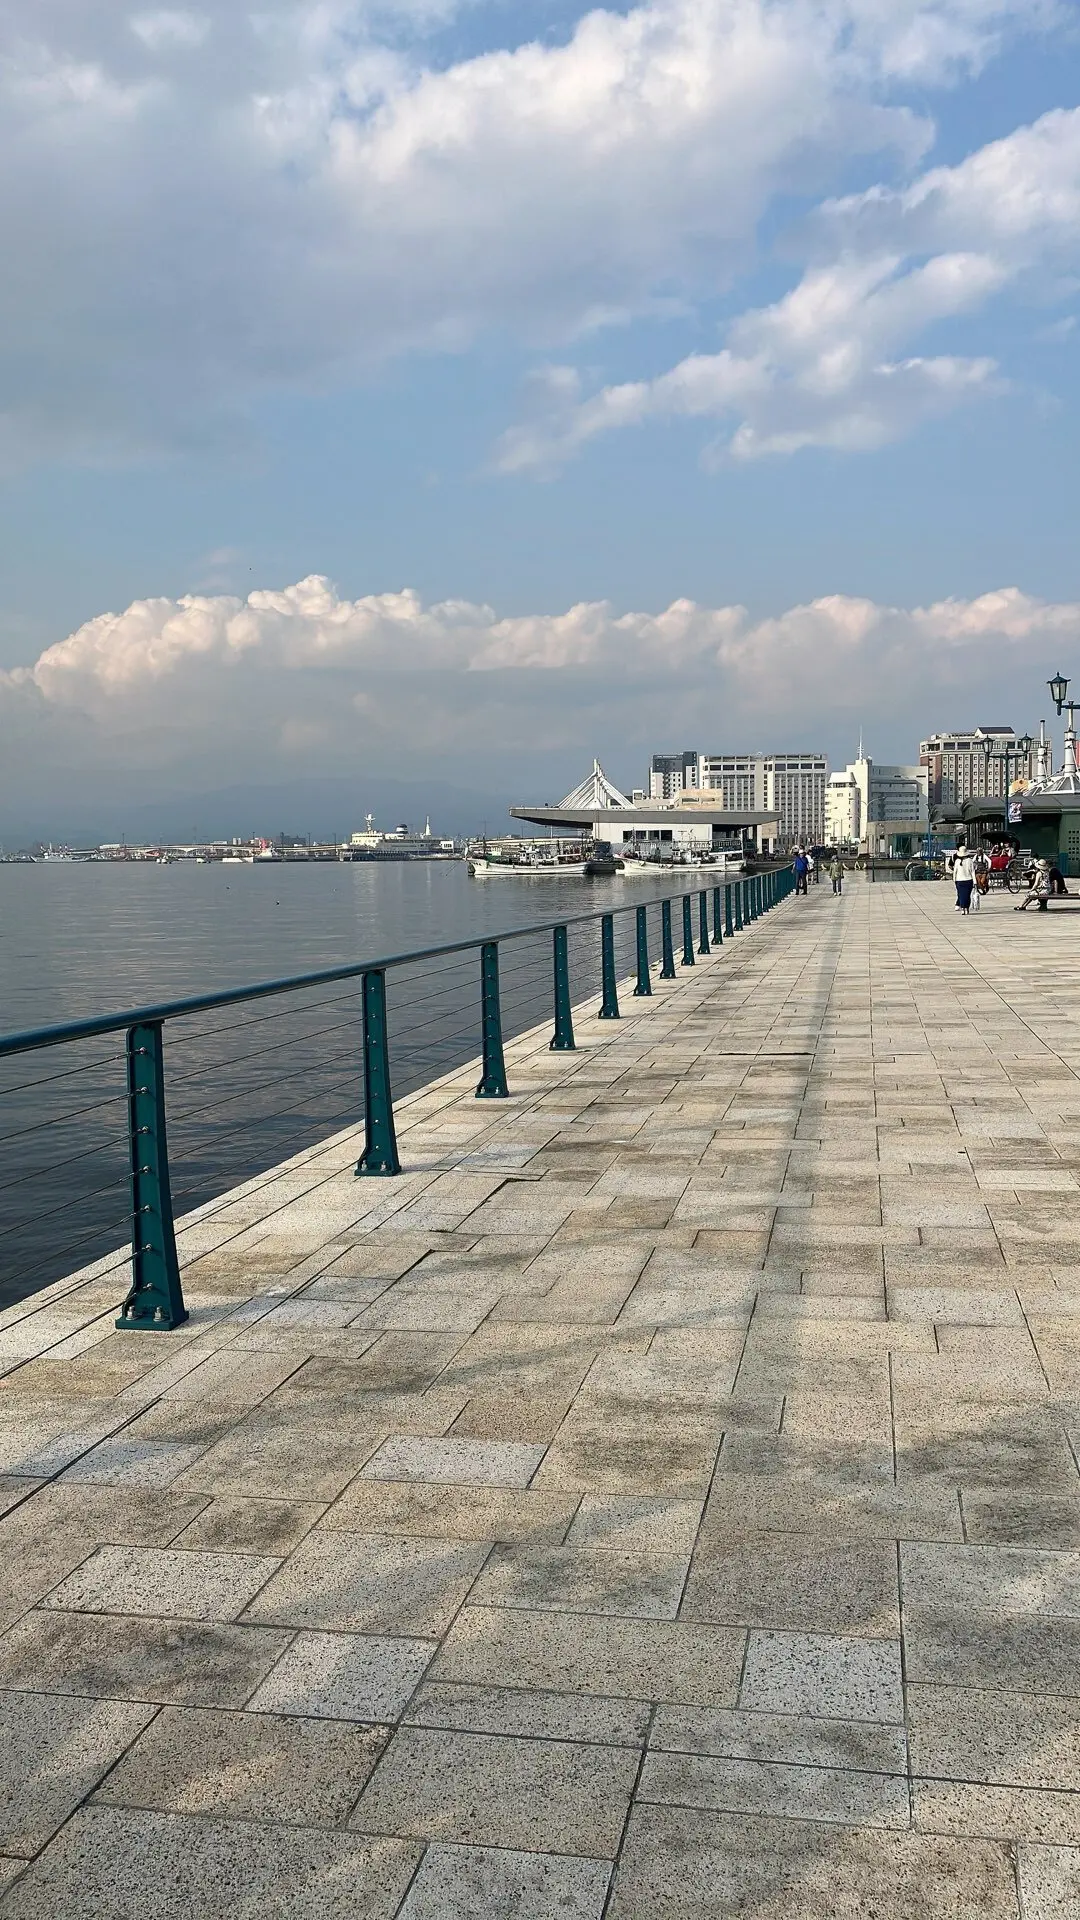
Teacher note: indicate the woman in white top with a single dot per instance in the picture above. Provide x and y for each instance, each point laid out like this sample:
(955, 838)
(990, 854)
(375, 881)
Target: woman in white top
(964, 875)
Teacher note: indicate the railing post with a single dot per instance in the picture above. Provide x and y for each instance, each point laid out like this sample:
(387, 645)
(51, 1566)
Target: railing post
(729, 923)
(609, 1009)
(493, 1084)
(380, 1153)
(155, 1300)
(563, 1039)
(667, 970)
(703, 922)
(687, 932)
(643, 990)
(717, 929)
(739, 885)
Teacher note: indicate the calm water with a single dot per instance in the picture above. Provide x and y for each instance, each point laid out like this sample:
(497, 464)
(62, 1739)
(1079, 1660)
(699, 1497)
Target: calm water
(248, 1087)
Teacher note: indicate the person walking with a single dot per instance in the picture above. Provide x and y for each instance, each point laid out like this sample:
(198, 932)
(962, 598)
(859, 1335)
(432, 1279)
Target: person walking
(836, 873)
(964, 876)
(1040, 888)
(814, 865)
(800, 869)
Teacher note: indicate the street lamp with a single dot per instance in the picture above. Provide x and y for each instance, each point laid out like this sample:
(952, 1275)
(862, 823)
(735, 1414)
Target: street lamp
(1059, 689)
(988, 754)
(1023, 751)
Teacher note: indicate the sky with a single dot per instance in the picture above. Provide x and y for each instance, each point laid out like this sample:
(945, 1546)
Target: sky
(447, 390)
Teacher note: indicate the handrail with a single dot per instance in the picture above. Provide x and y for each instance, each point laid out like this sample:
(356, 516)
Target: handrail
(155, 1298)
(98, 1024)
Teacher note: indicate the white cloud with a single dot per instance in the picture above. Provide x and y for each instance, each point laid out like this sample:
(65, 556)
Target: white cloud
(204, 204)
(304, 680)
(831, 363)
(168, 28)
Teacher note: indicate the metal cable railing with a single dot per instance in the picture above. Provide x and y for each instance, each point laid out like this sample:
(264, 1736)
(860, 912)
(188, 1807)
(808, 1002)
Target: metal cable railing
(250, 1089)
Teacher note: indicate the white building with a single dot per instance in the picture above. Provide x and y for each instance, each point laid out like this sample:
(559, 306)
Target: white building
(881, 803)
(790, 787)
(843, 810)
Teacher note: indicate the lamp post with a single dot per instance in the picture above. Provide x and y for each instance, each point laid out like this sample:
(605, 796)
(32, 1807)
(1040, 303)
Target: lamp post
(1059, 691)
(988, 754)
(1023, 753)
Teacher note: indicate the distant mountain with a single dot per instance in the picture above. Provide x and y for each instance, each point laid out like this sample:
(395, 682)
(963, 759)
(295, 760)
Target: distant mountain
(327, 809)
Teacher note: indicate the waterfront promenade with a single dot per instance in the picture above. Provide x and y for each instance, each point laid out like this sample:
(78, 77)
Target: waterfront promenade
(659, 1503)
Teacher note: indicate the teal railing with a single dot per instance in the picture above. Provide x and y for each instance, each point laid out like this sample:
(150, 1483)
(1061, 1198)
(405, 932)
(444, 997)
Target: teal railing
(129, 1105)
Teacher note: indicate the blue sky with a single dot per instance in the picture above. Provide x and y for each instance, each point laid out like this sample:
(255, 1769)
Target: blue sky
(765, 305)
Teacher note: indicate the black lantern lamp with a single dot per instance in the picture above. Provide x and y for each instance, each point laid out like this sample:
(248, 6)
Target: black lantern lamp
(1059, 690)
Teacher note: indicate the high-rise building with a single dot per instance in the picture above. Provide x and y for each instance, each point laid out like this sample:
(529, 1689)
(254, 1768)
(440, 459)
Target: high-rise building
(789, 786)
(843, 809)
(669, 773)
(958, 767)
(874, 806)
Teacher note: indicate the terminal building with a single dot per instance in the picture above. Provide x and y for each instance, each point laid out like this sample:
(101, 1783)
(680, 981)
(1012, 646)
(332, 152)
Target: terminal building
(690, 824)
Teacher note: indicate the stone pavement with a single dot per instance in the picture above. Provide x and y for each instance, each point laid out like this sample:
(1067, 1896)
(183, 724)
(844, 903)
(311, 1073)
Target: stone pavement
(660, 1502)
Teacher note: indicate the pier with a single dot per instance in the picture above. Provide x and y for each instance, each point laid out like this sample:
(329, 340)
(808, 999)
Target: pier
(657, 1502)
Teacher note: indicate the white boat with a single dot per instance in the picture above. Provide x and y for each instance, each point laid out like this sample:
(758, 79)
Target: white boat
(484, 866)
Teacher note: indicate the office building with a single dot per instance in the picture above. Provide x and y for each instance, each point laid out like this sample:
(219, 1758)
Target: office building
(959, 768)
(669, 773)
(843, 810)
(790, 787)
(883, 809)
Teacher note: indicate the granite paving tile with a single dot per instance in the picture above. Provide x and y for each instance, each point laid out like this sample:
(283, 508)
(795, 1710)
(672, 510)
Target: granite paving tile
(794, 1581)
(163, 1582)
(680, 1864)
(822, 1674)
(422, 1509)
(536, 1714)
(344, 1676)
(53, 1751)
(271, 1527)
(488, 1883)
(554, 1796)
(126, 1863)
(135, 1658)
(257, 1766)
(639, 1659)
(865, 1746)
(1049, 1879)
(851, 1798)
(572, 1579)
(455, 1461)
(371, 1583)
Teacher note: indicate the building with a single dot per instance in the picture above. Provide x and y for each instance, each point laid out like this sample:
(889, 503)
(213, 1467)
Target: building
(958, 767)
(843, 810)
(883, 809)
(669, 773)
(689, 824)
(788, 787)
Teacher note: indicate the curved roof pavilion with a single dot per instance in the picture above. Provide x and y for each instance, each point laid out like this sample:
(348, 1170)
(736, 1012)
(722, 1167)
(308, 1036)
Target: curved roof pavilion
(597, 802)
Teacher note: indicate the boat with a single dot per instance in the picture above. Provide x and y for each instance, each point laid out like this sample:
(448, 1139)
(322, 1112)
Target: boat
(602, 863)
(483, 866)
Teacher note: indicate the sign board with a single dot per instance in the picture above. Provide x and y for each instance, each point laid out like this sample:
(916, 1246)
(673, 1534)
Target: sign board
(1016, 812)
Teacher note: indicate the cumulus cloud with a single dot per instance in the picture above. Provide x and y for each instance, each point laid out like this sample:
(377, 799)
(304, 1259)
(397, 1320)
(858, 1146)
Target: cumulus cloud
(303, 679)
(208, 203)
(831, 363)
